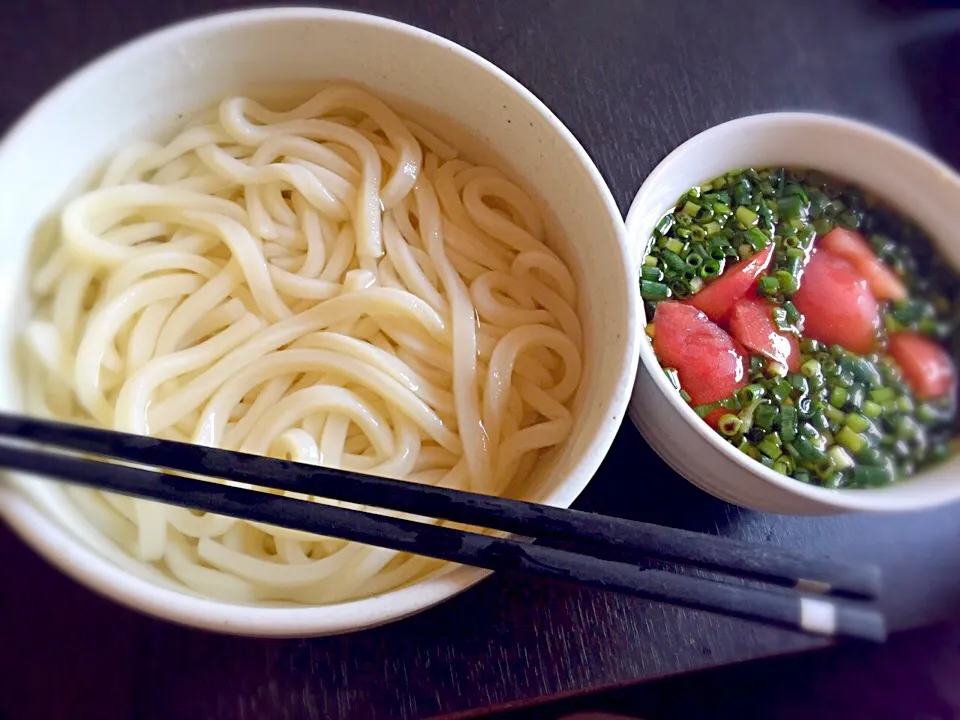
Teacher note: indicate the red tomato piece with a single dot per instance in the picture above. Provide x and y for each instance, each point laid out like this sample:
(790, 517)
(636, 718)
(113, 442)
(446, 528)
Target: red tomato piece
(713, 417)
(854, 248)
(752, 324)
(837, 305)
(719, 295)
(926, 366)
(710, 363)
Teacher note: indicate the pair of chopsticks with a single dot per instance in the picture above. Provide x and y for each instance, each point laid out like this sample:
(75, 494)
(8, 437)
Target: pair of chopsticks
(608, 547)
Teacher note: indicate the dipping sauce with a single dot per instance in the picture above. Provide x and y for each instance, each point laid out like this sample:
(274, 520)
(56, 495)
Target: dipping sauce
(808, 324)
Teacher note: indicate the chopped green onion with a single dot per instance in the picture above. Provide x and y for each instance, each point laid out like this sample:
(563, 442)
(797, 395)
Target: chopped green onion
(673, 261)
(820, 420)
(704, 410)
(764, 416)
(834, 413)
(850, 440)
(788, 282)
(783, 465)
(779, 316)
(855, 397)
(730, 425)
(741, 191)
(881, 395)
(870, 456)
(781, 389)
(867, 475)
(757, 240)
(800, 384)
(690, 209)
(651, 273)
(694, 260)
(790, 208)
(822, 226)
(666, 222)
(926, 413)
(650, 290)
(673, 377)
(811, 368)
(776, 368)
(788, 422)
(831, 478)
(675, 246)
(907, 428)
(857, 423)
(793, 315)
(770, 446)
(838, 397)
(841, 460)
(866, 373)
(871, 409)
(711, 268)
(938, 452)
(808, 451)
(769, 285)
(651, 261)
(746, 216)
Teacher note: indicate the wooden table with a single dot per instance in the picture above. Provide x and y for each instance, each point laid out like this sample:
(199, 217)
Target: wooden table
(632, 79)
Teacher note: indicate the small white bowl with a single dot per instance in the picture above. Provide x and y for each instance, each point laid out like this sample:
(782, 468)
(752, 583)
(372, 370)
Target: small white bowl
(144, 87)
(902, 175)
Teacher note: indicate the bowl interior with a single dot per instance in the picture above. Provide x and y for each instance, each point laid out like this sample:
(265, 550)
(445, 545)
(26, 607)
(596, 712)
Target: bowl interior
(902, 175)
(146, 88)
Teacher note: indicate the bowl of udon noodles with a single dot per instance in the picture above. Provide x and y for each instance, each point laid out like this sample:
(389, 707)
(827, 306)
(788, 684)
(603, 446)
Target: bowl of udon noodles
(315, 235)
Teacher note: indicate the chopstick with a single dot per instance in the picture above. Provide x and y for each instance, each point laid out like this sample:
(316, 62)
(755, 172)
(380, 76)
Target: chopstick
(808, 614)
(609, 537)
(805, 613)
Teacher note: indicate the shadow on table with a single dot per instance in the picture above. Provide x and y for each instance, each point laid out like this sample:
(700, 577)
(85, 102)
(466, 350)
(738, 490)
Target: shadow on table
(912, 677)
(932, 67)
(930, 59)
(633, 482)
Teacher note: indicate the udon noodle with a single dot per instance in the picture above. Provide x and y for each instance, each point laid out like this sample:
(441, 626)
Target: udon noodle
(331, 284)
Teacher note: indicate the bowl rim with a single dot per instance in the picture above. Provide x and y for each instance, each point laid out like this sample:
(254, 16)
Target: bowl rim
(84, 564)
(868, 500)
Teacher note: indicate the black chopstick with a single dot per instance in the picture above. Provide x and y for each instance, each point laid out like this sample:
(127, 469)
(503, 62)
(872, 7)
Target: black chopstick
(610, 537)
(815, 615)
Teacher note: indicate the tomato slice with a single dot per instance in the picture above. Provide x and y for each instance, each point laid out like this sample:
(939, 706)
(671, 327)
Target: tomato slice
(854, 248)
(710, 363)
(926, 366)
(719, 295)
(713, 417)
(837, 304)
(752, 324)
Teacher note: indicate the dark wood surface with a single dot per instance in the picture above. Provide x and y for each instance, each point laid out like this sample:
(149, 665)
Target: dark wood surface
(632, 79)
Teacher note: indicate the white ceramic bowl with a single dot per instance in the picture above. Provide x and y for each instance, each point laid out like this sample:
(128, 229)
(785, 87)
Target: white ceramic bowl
(899, 173)
(143, 88)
